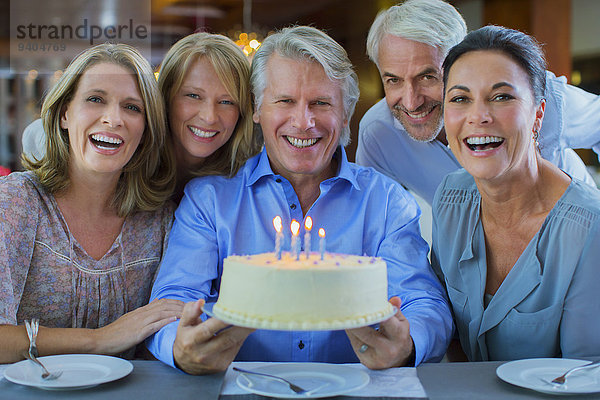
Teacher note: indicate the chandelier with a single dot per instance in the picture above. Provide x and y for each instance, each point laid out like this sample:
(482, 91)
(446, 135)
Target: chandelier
(247, 40)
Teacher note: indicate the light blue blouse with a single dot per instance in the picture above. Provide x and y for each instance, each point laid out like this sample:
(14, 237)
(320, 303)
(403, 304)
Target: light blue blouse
(549, 303)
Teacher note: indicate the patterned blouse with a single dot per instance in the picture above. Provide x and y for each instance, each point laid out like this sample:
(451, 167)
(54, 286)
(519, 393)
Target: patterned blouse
(45, 273)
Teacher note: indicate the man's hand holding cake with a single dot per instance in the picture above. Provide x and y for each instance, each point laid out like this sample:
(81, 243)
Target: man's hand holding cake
(390, 345)
(205, 347)
(305, 91)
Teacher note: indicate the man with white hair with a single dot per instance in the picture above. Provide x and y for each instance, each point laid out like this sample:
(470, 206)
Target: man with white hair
(305, 90)
(403, 134)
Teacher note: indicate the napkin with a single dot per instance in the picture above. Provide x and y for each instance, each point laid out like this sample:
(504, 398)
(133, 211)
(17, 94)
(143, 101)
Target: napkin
(392, 382)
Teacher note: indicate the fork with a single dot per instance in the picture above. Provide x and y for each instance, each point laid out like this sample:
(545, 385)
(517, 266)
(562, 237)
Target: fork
(559, 380)
(297, 389)
(32, 353)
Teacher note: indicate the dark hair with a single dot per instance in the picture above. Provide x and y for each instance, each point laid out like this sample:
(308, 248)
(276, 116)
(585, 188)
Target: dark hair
(522, 48)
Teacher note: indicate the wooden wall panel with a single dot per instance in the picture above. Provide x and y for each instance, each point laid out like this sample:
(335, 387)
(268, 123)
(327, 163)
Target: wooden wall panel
(549, 21)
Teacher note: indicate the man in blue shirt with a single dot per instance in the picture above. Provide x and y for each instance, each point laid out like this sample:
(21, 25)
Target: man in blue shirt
(403, 134)
(305, 92)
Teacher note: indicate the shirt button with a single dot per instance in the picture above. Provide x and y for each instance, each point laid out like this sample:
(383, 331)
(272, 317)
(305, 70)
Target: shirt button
(293, 206)
(278, 180)
(301, 345)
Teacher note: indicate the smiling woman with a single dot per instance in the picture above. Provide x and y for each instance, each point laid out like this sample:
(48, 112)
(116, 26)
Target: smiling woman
(491, 118)
(84, 229)
(105, 120)
(521, 272)
(204, 79)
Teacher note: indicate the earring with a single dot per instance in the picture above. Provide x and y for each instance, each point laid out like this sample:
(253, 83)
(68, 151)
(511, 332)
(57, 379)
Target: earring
(536, 134)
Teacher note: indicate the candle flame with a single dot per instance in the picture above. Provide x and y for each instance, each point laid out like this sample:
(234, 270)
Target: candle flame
(295, 227)
(308, 223)
(321, 232)
(277, 223)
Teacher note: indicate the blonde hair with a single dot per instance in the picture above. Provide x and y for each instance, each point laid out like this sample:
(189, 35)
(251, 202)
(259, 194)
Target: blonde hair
(147, 180)
(233, 69)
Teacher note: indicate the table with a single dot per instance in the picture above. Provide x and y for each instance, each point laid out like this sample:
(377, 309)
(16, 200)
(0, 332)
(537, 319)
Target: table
(476, 380)
(149, 380)
(154, 380)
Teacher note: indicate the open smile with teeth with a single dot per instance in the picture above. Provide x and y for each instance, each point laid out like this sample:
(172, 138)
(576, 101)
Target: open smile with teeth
(105, 142)
(416, 114)
(201, 133)
(301, 143)
(483, 143)
(419, 115)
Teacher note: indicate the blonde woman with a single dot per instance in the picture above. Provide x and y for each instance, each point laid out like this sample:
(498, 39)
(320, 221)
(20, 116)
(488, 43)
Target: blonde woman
(84, 229)
(204, 79)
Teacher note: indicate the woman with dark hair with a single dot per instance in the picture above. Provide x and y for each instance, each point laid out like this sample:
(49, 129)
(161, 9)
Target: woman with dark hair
(516, 239)
(84, 229)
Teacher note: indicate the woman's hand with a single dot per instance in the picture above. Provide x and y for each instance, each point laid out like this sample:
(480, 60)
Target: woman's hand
(135, 326)
(390, 346)
(205, 347)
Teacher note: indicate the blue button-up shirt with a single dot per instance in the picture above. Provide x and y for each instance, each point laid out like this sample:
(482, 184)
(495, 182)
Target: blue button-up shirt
(362, 212)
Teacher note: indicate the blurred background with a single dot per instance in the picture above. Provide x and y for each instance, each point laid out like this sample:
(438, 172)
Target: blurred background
(569, 30)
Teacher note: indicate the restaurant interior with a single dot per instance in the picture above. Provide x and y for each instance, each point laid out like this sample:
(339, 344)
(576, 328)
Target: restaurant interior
(568, 29)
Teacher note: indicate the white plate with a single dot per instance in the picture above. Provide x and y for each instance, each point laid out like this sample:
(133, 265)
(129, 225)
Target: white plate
(321, 380)
(531, 374)
(257, 323)
(80, 371)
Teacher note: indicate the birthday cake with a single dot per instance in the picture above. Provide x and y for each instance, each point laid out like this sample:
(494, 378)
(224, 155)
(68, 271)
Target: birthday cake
(336, 292)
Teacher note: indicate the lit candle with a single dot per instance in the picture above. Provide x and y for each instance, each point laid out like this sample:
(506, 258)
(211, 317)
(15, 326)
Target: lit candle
(307, 227)
(295, 228)
(278, 236)
(322, 242)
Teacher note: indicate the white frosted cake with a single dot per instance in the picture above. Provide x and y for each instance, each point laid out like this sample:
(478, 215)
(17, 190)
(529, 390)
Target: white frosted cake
(341, 291)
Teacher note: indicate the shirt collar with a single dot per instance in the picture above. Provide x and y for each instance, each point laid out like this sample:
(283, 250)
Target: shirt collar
(263, 168)
(344, 170)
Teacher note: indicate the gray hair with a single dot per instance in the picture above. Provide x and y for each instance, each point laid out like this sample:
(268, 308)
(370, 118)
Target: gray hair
(308, 43)
(433, 22)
